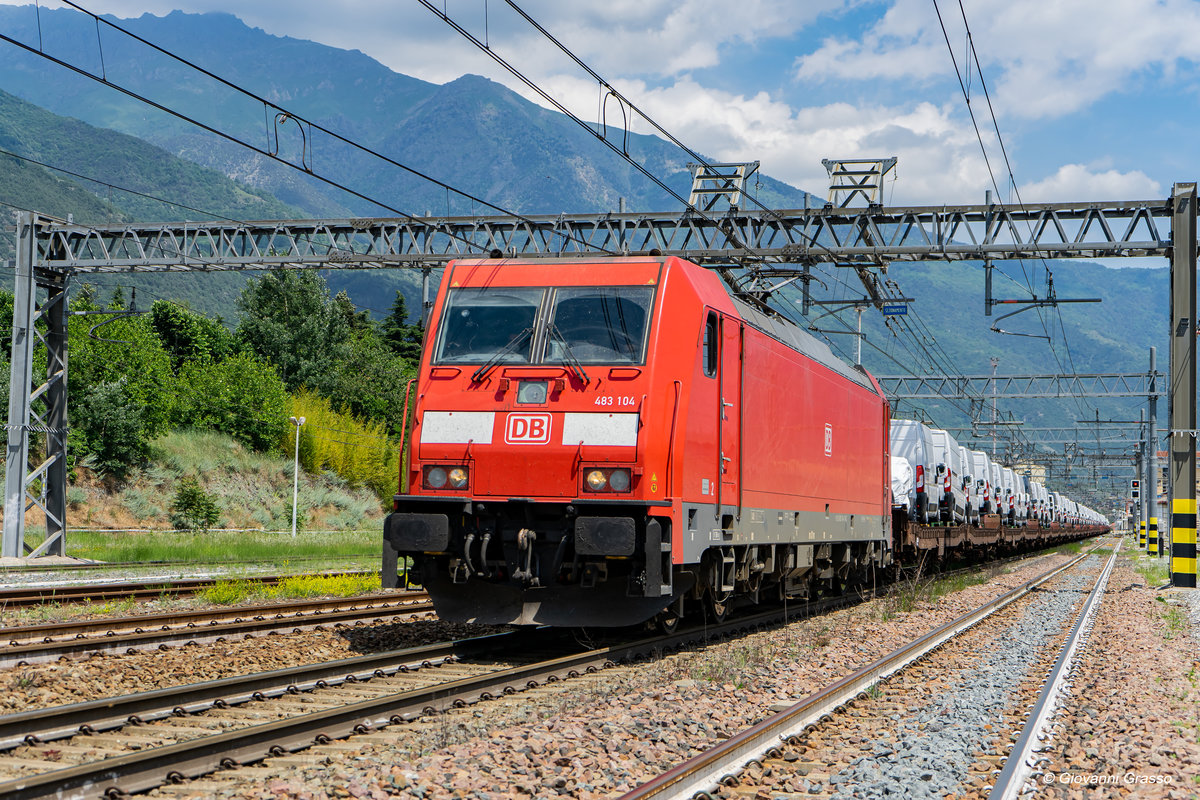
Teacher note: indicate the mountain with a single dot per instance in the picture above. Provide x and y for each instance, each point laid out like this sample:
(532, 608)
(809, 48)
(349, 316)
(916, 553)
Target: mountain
(470, 133)
(29, 134)
(475, 134)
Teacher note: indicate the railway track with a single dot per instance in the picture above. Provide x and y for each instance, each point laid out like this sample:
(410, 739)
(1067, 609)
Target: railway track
(135, 742)
(815, 747)
(118, 566)
(97, 592)
(33, 643)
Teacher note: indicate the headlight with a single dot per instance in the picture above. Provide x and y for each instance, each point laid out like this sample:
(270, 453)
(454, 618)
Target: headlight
(447, 477)
(436, 477)
(618, 480)
(608, 479)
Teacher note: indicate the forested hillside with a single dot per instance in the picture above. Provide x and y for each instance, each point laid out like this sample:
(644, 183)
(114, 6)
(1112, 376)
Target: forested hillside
(296, 351)
(470, 133)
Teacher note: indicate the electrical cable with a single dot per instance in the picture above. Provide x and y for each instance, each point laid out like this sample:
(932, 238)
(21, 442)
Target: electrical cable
(947, 367)
(284, 116)
(1080, 402)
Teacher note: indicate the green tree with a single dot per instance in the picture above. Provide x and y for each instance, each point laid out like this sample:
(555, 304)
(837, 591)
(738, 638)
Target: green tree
(370, 383)
(121, 385)
(110, 428)
(403, 339)
(116, 301)
(357, 322)
(287, 318)
(241, 396)
(193, 509)
(188, 336)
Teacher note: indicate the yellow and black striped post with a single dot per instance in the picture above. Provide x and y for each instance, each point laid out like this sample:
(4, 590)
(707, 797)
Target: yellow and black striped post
(1152, 537)
(1182, 387)
(1142, 534)
(1183, 543)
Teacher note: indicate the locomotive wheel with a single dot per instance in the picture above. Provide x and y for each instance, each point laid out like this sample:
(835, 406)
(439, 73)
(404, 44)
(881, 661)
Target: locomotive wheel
(719, 608)
(667, 621)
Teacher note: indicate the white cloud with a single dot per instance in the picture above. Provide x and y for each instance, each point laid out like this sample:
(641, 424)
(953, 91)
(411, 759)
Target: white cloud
(1040, 59)
(939, 157)
(1073, 181)
(656, 38)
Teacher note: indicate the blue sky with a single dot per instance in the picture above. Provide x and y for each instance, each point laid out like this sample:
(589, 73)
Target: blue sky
(1095, 99)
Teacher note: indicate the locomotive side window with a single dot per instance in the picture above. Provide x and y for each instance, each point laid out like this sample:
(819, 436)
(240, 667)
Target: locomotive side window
(599, 325)
(484, 324)
(711, 348)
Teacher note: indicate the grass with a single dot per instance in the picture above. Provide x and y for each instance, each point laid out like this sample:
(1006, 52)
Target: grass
(1176, 622)
(237, 591)
(219, 546)
(912, 593)
(118, 608)
(1154, 570)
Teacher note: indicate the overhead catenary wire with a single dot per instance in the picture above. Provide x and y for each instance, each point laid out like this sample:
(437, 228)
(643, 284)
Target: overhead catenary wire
(286, 114)
(947, 363)
(267, 105)
(108, 23)
(1080, 402)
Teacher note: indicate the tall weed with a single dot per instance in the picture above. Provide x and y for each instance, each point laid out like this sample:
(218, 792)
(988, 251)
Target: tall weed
(361, 452)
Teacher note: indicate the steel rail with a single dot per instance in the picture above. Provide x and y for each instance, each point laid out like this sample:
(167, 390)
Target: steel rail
(15, 654)
(32, 596)
(705, 771)
(50, 631)
(1021, 763)
(109, 713)
(88, 566)
(171, 763)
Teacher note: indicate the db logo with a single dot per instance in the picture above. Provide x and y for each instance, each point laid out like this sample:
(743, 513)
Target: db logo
(527, 429)
(828, 439)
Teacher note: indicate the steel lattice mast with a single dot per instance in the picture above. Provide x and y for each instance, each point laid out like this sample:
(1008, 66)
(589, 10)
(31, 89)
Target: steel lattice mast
(773, 243)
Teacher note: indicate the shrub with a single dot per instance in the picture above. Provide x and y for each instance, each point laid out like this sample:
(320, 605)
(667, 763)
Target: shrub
(112, 429)
(359, 452)
(193, 509)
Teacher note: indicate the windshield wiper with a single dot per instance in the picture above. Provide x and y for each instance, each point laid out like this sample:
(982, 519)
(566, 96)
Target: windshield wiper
(569, 356)
(491, 363)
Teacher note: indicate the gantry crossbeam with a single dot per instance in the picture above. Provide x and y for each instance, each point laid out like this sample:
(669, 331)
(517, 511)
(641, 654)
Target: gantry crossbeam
(974, 387)
(797, 236)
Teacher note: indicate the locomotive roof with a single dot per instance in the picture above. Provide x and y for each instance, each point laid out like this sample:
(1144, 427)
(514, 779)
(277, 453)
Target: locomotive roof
(772, 325)
(793, 336)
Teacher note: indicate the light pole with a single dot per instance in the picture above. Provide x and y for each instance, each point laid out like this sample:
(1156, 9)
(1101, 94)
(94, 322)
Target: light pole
(297, 421)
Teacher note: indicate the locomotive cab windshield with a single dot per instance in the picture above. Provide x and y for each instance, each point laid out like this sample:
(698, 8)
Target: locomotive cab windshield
(545, 325)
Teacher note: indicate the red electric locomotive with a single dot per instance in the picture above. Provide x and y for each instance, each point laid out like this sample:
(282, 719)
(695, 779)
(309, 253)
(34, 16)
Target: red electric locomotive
(604, 441)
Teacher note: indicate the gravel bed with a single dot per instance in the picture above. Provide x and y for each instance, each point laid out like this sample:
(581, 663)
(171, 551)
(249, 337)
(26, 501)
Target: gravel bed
(108, 675)
(604, 733)
(929, 750)
(1132, 725)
